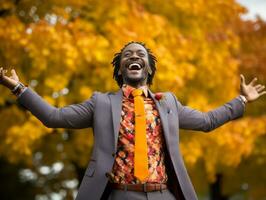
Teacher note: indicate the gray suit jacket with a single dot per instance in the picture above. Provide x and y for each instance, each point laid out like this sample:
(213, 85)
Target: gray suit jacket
(102, 112)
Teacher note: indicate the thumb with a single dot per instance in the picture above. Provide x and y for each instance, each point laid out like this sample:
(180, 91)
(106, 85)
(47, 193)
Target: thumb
(14, 75)
(242, 78)
(13, 72)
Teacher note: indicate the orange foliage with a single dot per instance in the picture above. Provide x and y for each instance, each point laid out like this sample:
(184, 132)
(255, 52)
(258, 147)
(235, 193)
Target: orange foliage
(63, 50)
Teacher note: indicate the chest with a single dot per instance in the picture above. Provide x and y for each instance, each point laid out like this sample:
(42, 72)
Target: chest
(128, 112)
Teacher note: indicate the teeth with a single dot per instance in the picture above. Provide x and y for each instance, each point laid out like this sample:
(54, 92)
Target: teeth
(134, 64)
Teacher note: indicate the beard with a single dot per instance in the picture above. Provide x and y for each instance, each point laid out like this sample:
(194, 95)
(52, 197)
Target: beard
(131, 80)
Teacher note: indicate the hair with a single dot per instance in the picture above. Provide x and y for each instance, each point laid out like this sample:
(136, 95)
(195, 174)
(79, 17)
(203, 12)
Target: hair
(116, 64)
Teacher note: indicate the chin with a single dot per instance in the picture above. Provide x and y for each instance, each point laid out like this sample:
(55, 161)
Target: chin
(134, 80)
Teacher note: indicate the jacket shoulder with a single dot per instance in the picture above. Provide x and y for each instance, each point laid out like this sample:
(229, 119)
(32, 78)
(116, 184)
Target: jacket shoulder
(102, 94)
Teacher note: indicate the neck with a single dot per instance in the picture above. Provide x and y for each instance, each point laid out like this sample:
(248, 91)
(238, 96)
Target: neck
(135, 85)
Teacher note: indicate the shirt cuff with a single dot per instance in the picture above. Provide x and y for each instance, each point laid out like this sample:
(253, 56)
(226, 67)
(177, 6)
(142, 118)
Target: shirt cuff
(240, 98)
(23, 90)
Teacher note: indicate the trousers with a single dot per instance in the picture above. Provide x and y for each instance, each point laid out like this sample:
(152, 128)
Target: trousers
(132, 195)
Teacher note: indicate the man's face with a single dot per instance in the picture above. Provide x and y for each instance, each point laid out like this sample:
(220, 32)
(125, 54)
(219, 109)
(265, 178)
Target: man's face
(134, 65)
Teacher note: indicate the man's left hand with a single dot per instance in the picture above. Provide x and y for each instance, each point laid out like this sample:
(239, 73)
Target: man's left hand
(251, 91)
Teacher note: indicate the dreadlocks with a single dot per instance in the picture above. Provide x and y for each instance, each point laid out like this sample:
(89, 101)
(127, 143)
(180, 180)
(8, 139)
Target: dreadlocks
(117, 59)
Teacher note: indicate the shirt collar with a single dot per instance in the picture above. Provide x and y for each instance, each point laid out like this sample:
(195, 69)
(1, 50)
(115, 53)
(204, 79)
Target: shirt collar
(127, 89)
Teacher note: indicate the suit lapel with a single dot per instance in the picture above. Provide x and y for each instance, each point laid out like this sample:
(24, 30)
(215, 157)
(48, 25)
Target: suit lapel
(116, 103)
(162, 109)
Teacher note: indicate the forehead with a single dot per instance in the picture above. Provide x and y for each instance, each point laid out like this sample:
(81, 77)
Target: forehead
(134, 47)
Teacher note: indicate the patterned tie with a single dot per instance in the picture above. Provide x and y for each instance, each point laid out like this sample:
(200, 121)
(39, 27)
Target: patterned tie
(141, 170)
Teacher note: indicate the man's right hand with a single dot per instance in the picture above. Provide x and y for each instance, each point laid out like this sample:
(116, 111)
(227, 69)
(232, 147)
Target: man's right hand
(11, 81)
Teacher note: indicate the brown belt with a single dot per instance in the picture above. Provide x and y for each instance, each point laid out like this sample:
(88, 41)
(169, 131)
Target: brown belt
(146, 187)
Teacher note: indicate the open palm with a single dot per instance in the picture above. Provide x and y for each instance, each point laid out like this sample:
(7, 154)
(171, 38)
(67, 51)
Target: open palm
(251, 91)
(8, 81)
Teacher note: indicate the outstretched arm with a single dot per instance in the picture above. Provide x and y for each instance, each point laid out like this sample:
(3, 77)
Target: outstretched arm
(73, 116)
(193, 119)
(206, 121)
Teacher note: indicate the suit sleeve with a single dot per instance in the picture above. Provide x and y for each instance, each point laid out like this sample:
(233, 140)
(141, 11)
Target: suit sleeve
(74, 116)
(193, 119)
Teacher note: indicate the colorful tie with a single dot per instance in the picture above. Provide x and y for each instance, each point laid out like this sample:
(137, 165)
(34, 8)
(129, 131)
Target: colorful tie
(141, 170)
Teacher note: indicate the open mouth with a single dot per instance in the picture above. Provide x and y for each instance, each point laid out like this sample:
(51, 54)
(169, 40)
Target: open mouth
(134, 66)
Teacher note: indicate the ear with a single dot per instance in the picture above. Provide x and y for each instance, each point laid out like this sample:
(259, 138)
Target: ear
(149, 70)
(119, 72)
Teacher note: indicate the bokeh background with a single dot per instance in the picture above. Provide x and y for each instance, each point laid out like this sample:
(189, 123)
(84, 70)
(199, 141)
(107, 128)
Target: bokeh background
(63, 48)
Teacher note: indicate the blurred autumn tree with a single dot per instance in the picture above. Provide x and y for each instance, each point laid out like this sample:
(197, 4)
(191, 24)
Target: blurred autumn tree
(63, 49)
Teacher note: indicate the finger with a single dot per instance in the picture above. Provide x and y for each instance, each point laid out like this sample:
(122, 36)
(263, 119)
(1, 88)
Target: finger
(264, 92)
(253, 81)
(3, 71)
(1, 74)
(13, 72)
(242, 78)
(261, 88)
(258, 86)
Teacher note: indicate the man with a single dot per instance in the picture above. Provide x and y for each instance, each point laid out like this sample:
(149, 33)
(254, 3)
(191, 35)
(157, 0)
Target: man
(136, 153)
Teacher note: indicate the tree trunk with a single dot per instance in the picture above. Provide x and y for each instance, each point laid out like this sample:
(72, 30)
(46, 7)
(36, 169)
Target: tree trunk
(80, 172)
(216, 189)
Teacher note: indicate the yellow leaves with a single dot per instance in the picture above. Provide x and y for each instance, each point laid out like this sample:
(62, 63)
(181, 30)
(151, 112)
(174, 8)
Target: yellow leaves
(9, 116)
(198, 101)
(85, 92)
(45, 52)
(194, 7)
(56, 82)
(195, 150)
(83, 142)
(136, 24)
(49, 99)
(224, 147)
(93, 47)
(74, 3)
(11, 36)
(19, 139)
(6, 5)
